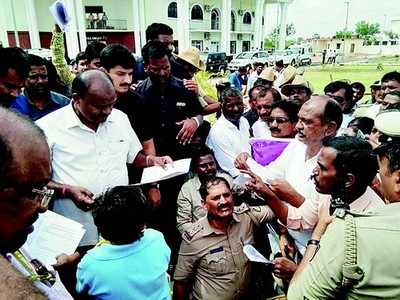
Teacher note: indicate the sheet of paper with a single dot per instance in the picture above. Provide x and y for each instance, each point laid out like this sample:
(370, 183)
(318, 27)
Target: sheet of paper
(258, 170)
(60, 14)
(157, 173)
(52, 236)
(253, 255)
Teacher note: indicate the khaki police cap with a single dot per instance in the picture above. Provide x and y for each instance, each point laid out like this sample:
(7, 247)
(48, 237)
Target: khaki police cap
(298, 81)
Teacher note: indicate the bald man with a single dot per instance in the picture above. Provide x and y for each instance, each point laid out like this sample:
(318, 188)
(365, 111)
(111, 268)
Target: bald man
(24, 171)
(91, 143)
(289, 175)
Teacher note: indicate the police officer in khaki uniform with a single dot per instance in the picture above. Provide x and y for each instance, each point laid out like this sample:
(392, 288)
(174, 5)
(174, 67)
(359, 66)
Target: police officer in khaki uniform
(211, 262)
(357, 257)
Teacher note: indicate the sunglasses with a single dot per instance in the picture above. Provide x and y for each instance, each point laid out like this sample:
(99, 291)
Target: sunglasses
(278, 120)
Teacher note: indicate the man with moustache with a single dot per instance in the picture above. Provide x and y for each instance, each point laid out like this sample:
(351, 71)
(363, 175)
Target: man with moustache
(345, 258)
(14, 69)
(37, 100)
(211, 262)
(230, 135)
(283, 119)
(289, 175)
(251, 115)
(264, 100)
(299, 90)
(189, 199)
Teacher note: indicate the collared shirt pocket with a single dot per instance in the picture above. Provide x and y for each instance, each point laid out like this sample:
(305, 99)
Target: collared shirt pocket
(217, 262)
(118, 148)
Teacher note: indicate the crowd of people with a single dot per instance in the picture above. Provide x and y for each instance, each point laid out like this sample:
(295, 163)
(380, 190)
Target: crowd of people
(73, 138)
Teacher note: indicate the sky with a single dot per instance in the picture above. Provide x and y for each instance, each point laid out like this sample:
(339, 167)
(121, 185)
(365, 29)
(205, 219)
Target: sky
(325, 17)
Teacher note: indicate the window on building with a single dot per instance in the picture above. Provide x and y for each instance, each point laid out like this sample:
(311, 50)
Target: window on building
(233, 47)
(215, 19)
(245, 46)
(233, 23)
(384, 43)
(247, 18)
(352, 47)
(172, 10)
(338, 46)
(214, 46)
(197, 13)
(198, 44)
(392, 43)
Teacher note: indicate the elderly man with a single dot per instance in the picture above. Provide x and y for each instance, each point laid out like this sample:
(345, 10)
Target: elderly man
(14, 69)
(344, 259)
(189, 199)
(289, 175)
(230, 135)
(344, 171)
(264, 100)
(90, 145)
(25, 170)
(37, 100)
(299, 90)
(211, 262)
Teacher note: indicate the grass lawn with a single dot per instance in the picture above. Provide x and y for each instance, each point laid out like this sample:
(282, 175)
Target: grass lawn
(366, 73)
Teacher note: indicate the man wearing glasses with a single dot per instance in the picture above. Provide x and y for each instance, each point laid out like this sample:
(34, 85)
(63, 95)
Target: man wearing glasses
(24, 171)
(283, 119)
(37, 99)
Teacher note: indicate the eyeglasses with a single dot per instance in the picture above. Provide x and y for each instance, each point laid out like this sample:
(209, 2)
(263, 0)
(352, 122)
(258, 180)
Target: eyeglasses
(46, 195)
(278, 120)
(37, 76)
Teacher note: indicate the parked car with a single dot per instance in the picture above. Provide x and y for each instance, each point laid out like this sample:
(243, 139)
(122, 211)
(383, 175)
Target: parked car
(248, 58)
(42, 52)
(304, 54)
(215, 61)
(289, 57)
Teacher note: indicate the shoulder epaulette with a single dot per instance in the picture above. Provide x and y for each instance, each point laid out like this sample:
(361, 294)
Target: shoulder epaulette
(187, 235)
(241, 209)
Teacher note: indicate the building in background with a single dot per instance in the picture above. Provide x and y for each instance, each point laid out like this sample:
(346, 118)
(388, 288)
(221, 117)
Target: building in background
(230, 26)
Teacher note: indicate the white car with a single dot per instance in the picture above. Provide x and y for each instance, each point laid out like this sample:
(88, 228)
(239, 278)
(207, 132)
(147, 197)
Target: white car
(42, 52)
(289, 57)
(248, 58)
(304, 54)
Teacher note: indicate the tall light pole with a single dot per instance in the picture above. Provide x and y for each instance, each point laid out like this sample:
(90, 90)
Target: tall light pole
(346, 27)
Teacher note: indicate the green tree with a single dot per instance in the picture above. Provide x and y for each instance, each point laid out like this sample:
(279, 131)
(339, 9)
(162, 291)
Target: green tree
(365, 29)
(271, 40)
(344, 34)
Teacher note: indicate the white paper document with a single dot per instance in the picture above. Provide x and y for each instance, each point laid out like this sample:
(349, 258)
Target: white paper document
(52, 236)
(60, 14)
(259, 170)
(253, 255)
(157, 173)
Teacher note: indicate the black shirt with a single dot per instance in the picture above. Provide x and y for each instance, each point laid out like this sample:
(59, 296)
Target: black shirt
(138, 113)
(167, 107)
(251, 116)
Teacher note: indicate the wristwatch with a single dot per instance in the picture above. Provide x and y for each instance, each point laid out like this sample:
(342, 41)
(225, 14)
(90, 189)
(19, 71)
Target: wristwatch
(313, 242)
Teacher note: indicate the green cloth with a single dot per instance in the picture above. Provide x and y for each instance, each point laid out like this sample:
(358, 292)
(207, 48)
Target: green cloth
(378, 244)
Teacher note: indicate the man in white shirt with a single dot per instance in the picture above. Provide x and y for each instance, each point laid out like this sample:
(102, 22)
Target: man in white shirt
(289, 175)
(90, 144)
(229, 136)
(258, 68)
(264, 100)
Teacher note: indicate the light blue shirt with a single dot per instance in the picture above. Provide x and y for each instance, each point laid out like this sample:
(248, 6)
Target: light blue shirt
(132, 271)
(235, 81)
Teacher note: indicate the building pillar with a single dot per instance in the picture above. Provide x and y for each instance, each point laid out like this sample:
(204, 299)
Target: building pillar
(142, 22)
(32, 23)
(265, 27)
(71, 35)
(80, 18)
(283, 22)
(3, 31)
(136, 27)
(183, 25)
(226, 26)
(258, 27)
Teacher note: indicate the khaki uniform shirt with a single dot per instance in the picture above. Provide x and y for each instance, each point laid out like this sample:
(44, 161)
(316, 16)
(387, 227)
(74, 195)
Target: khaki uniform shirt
(214, 259)
(189, 204)
(378, 246)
